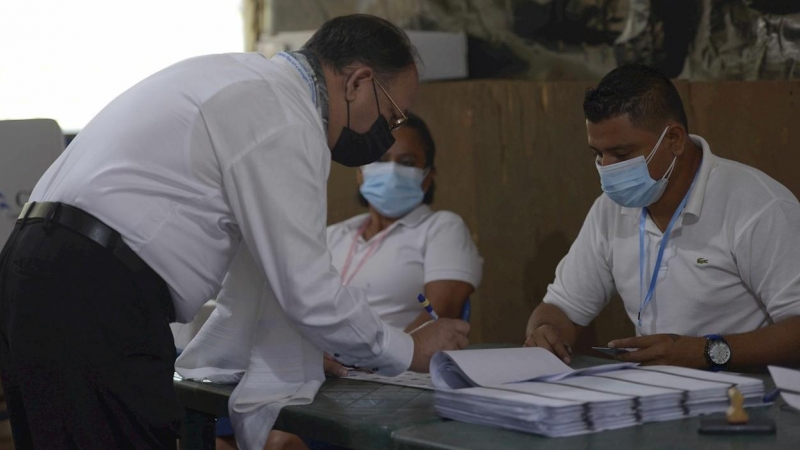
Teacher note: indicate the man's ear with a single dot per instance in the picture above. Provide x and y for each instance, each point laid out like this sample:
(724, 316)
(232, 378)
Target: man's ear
(360, 79)
(676, 139)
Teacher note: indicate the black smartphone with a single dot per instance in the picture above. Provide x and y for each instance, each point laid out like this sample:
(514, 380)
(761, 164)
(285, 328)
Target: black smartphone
(613, 351)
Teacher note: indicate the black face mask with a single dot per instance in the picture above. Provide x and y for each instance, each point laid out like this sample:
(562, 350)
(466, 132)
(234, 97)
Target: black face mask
(354, 149)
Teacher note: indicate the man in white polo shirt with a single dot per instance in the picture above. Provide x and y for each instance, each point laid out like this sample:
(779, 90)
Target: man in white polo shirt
(722, 238)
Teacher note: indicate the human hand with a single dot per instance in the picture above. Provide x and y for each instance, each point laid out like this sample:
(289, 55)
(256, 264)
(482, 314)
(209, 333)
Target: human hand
(333, 367)
(664, 349)
(436, 335)
(547, 337)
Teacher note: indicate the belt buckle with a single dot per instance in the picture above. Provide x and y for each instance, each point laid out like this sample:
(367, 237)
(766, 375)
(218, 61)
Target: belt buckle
(26, 209)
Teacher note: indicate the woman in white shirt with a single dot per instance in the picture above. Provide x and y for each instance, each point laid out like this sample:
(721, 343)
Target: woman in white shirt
(399, 249)
(402, 248)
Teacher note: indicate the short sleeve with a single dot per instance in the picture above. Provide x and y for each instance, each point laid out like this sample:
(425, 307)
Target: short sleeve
(584, 282)
(333, 232)
(450, 253)
(767, 253)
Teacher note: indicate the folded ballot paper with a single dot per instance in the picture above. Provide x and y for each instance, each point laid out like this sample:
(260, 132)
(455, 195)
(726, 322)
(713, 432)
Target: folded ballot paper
(531, 390)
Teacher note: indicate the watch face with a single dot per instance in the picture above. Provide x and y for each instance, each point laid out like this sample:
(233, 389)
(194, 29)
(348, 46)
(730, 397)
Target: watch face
(719, 352)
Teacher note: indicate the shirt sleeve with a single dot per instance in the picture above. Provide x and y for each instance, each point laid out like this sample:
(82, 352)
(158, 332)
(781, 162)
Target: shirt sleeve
(767, 253)
(331, 231)
(450, 253)
(584, 283)
(278, 194)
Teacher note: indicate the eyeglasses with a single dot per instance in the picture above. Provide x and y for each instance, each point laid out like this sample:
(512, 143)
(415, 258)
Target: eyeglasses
(403, 118)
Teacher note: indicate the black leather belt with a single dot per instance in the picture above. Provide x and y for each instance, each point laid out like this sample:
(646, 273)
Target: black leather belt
(86, 225)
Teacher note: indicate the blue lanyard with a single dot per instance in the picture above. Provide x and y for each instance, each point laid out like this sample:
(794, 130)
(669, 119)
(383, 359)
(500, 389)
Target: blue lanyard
(646, 298)
(307, 77)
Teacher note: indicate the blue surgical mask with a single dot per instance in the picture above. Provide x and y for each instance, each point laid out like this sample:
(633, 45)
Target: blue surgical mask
(629, 183)
(393, 190)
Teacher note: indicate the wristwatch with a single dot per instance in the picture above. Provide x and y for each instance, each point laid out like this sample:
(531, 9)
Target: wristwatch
(717, 352)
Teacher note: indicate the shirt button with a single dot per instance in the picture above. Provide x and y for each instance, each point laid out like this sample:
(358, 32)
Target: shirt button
(335, 355)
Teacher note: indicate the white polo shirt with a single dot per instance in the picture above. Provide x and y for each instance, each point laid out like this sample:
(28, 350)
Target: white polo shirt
(217, 150)
(421, 247)
(731, 265)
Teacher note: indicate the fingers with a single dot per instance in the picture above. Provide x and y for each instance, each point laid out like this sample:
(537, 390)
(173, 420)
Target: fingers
(442, 334)
(333, 367)
(548, 338)
(529, 341)
(538, 340)
(462, 341)
(461, 326)
(635, 342)
(652, 349)
(640, 356)
(456, 334)
(561, 351)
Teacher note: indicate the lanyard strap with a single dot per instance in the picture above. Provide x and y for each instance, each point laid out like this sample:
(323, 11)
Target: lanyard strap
(646, 298)
(377, 239)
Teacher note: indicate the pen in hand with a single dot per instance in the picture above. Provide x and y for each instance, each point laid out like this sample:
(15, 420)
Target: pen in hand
(427, 305)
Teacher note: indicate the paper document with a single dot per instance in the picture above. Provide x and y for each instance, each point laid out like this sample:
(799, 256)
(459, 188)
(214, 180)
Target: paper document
(788, 381)
(561, 401)
(491, 367)
(405, 379)
(508, 409)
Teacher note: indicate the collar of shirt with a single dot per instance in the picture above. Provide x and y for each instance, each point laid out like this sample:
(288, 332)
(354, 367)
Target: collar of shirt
(695, 203)
(310, 69)
(410, 220)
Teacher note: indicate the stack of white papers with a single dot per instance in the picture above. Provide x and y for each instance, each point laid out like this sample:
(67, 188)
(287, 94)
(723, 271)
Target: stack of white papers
(604, 411)
(654, 404)
(544, 408)
(494, 387)
(751, 388)
(703, 392)
(788, 381)
(507, 409)
(515, 401)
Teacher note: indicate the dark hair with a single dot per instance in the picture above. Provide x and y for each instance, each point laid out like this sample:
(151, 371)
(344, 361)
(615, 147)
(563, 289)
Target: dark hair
(365, 39)
(428, 146)
(424, 134)
(645, 94)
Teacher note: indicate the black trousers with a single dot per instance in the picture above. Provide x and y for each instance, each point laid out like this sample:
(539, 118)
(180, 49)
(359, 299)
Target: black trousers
(86, 353)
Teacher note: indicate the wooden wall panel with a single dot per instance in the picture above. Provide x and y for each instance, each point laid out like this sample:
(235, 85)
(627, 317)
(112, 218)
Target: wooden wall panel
(513, 162)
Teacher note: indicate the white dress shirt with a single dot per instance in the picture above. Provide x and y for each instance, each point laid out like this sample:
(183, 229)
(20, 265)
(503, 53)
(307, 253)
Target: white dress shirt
(247, 337)
(420, 247)
(250, 340)
(213, 150)
(731, 265)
